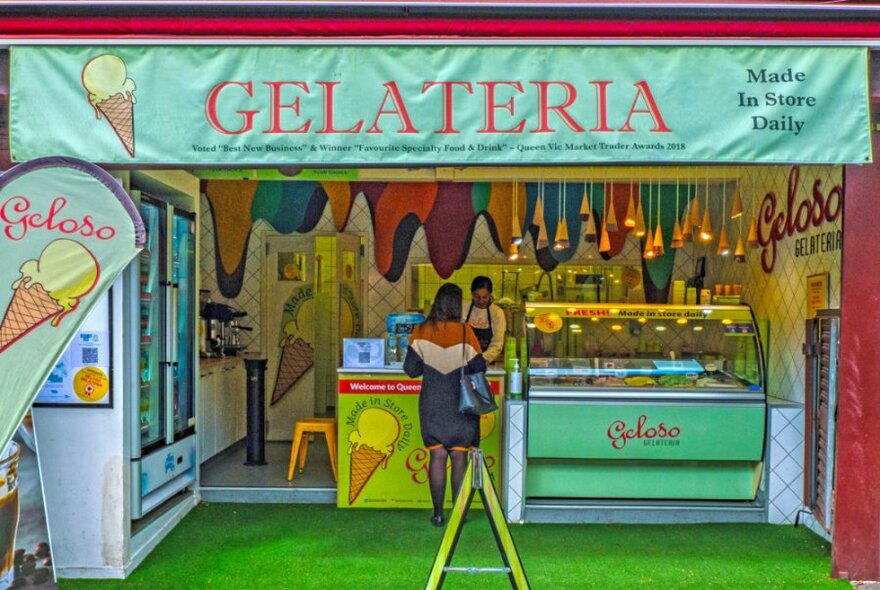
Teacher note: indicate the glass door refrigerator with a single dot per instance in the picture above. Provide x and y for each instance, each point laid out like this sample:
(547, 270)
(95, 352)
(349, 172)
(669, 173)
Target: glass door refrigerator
(160, 316)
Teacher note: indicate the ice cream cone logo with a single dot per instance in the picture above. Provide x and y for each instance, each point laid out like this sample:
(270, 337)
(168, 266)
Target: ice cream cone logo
(49, 289)
(111, 93)
(372, 444)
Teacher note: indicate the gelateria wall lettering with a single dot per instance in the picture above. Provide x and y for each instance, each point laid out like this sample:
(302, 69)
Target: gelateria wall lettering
(498, 100)
(778, 221)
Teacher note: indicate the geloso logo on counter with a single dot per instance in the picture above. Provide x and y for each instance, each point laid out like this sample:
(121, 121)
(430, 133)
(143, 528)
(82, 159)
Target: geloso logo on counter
(660, 435)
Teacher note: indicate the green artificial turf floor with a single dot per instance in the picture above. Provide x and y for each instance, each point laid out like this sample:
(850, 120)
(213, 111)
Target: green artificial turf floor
(319, 546)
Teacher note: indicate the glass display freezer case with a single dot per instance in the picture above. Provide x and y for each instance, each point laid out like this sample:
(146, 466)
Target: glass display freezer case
(644, 401)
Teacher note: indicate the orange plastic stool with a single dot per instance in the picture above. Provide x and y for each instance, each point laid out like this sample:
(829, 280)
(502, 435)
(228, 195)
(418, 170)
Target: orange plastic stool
(300, 445)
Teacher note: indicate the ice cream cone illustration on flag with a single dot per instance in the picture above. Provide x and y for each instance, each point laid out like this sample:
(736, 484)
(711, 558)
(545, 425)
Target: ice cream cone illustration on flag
(49, 288)
(111, 93)
(372, 444)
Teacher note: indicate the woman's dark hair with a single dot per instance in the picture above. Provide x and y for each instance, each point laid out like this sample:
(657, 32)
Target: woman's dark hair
(481, 282)
(447, 304)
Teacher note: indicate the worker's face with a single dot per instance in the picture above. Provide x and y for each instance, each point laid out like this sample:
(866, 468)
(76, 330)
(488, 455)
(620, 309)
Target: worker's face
(482, 298)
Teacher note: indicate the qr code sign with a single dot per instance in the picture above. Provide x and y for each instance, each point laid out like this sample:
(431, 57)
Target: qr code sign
(89, 356)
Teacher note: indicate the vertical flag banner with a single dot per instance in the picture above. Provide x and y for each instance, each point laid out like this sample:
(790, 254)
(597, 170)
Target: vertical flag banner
(67, 229)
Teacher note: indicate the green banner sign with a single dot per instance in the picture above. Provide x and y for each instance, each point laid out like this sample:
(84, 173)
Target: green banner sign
(323, 106)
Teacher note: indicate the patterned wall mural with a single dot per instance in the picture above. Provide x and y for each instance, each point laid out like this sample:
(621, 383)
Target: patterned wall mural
(778, 296)
(448, 214)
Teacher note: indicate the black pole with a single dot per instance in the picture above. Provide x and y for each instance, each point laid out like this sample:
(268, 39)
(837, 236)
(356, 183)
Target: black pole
(256, 411)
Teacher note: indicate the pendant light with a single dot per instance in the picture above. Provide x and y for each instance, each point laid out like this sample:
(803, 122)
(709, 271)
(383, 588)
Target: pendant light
(723, 244)
(677, 237)
(736, 207)
(640, 228)
(513, 252)
(740, 253)
(752, 240)
(649, 246)
(538, 219)
(648, 253)
(687, 230)
(706, 225)
(659, 249)
(562, 242)
(610, 215)
(696, 217)
(605, 239)
(586, 204)
(590, 235)
(538, 214)
(630, 220)
(516, 229)
(543, 241)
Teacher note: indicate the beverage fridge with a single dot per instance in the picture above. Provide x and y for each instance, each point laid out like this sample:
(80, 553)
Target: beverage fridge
(161, 353)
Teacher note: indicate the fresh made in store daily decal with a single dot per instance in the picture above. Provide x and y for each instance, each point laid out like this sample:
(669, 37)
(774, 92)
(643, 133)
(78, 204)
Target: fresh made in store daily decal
(439, 105)
(67, 229)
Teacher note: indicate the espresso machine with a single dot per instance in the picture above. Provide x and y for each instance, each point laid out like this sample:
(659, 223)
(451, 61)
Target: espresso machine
(221, 330)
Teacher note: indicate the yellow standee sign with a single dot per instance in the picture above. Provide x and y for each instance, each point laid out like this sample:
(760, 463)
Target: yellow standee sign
(477, 479)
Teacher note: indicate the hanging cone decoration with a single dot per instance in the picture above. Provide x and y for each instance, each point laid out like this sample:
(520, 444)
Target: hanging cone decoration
(752, 240)
(640, 228)
(740, 253)
(543, 241)
(659, 250)
(677, 237)
(590, 236)
(736, 208)
(611, 217)
(695, 212)
(706, 227)
(538, 216)
(605, 242)
(687, 231)
(562, 242)
(513, 253)
(585, 206)
(649, 246)
(723, 245)
(630, 220)
(516, 231)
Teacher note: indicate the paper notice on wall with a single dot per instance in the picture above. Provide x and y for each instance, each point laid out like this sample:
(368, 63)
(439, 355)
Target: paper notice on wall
(81, 376)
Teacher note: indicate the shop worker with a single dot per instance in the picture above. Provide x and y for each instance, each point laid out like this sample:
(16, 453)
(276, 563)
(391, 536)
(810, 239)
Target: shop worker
(436, 353)
(486, 318)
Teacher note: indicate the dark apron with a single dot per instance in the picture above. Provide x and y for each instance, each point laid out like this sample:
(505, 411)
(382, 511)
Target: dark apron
(484, 335)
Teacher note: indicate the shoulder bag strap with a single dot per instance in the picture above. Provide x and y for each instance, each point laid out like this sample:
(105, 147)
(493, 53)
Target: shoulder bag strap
(463, 347)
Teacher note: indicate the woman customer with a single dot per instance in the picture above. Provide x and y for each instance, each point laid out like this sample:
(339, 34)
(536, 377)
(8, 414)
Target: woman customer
(438, 349)
(486, 318)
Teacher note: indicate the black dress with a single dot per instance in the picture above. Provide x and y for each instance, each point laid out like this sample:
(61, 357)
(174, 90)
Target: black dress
(435, 353)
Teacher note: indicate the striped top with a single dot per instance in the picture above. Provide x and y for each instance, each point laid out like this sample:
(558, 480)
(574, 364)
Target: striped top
(439, 345)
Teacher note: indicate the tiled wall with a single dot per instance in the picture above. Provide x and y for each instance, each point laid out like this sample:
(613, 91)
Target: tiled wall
(780, 296)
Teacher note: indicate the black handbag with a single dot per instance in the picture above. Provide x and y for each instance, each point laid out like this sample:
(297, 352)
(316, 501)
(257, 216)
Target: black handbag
(475, 398)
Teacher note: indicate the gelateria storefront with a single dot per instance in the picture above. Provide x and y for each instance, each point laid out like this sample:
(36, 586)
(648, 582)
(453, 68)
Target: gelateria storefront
(656, 244)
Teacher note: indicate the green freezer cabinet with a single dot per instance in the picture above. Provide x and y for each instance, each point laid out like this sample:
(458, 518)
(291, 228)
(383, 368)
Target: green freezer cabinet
(655, 402)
